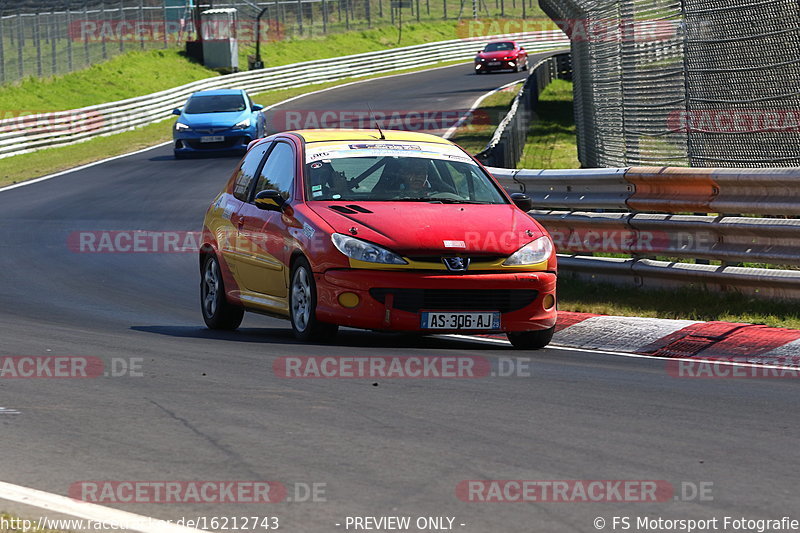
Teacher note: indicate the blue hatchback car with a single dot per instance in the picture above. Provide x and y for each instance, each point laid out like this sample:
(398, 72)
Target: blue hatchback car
(219, 121)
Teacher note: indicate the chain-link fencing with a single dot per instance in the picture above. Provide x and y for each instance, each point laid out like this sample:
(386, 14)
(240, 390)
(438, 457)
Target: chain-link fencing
(705, 83)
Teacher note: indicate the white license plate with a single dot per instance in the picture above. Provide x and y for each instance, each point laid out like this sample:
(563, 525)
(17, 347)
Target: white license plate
(493, 63)
(451, 320)
(212, 139)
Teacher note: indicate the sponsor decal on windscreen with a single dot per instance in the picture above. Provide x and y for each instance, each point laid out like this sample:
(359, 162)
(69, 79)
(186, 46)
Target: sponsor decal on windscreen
(382, 149)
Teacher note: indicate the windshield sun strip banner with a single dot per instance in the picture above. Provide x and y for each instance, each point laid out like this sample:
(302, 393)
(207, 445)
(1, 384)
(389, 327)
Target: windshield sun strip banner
(377, 149)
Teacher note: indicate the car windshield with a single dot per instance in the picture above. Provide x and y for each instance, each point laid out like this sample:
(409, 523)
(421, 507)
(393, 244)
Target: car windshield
(498, 47)
(400, 178)
(219, 103)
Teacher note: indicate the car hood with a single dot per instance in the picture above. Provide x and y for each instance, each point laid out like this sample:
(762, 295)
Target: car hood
(498, 55)
(412, 228)
(214, 119)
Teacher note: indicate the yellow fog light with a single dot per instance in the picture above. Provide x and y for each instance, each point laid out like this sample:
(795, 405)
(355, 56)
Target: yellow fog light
(349, 299)
(547, 302)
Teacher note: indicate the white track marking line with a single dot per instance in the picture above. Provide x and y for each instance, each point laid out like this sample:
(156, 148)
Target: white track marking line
(63, 172)
(88, 511)
(628, 354)
(75, 169)
(8, 411)
(452, 130)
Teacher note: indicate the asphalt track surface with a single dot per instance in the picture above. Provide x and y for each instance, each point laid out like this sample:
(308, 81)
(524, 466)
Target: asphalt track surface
(209, 406)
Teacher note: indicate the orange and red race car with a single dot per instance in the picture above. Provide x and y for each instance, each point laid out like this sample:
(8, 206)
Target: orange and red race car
(397, 231)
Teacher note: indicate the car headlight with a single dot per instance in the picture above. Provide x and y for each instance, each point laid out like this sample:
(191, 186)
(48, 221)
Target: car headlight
(180, 126)
(243, 125)
(365, 251)
(532, 253)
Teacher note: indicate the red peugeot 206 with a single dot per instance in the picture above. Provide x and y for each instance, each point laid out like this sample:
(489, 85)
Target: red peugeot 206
(395, 232)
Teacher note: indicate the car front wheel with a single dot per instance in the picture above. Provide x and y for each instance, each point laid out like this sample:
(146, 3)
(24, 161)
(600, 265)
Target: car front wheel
(531, 340)
(217, 312)
(303, 306)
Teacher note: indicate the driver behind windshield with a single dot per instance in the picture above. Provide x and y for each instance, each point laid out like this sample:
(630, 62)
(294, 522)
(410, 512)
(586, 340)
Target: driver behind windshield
(413, 174)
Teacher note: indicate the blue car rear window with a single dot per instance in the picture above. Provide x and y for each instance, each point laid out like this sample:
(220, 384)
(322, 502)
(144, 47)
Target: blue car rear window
(223, 103)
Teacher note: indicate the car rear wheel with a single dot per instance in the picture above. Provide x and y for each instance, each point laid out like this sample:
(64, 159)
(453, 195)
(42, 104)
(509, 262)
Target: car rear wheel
(531, 340)
(303, 306)
(217, 312)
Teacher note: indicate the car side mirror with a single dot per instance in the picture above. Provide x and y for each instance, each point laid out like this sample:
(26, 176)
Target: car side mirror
(522, 200)
(177, 111)
(257, 107)
(270, 200)
(521, 49)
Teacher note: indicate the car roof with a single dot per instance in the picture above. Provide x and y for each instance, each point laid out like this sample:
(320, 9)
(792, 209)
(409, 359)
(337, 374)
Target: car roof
(326, 135)
(502, 41)
(218, 92)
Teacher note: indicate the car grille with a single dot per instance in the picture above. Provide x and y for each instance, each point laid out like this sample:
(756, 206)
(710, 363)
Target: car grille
(414, 300)
(472, 258)
(227, 143)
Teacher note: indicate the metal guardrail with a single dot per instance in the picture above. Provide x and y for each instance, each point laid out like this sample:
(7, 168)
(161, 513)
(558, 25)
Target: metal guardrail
(663, 217)
(506, 145)
(20, 135)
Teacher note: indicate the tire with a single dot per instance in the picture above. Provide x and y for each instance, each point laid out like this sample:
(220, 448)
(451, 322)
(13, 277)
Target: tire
(303, 306)
(218, 313)
(531, 340)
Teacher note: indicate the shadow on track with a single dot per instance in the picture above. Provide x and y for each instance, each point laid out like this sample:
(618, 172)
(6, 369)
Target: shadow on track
(346, 338)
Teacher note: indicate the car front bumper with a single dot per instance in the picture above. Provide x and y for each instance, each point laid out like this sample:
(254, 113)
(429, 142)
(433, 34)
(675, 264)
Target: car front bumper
(526, 300)
(501, 65)
(191, 142)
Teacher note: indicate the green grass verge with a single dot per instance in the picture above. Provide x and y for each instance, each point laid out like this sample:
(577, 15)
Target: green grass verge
(50, 160)
(138, 73)
(551, 135)
(689, 304)
(125, 76)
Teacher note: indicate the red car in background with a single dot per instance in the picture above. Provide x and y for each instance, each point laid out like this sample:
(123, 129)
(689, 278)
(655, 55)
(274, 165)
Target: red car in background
(501, 55)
